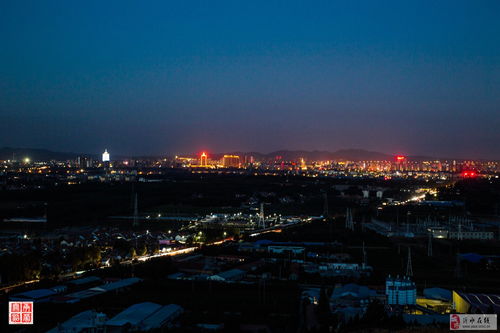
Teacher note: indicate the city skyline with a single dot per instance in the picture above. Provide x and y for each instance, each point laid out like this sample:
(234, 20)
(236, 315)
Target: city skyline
(41, 154)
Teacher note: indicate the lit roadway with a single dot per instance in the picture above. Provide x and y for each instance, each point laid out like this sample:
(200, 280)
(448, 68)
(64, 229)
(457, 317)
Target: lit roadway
(185, 250)
(181, 251)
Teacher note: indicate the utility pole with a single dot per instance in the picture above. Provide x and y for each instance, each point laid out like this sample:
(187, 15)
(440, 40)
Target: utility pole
(349, 224)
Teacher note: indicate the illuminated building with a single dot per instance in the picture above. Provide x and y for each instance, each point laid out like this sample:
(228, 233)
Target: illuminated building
(468, 174)
(84, 161)
(231, 161)
(400, 162)
(203, 159)
(303, 165)
(400, 291)
(105, 156)
(249, 159)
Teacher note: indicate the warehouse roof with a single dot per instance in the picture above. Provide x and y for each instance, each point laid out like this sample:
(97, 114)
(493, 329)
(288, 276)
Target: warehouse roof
(483, 302)
(161, 316)
(134, 314)
(34, 294)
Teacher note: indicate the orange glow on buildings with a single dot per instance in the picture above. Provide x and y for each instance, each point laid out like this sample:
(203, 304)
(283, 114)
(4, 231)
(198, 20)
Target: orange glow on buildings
(203, 159)
(231, 161)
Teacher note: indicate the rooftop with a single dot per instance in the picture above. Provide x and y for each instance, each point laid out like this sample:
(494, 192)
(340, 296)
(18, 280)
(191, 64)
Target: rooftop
(34, 294)
(82, 321)
(85, 280)
(484, 302)
(134, 314)
(231, 274)
(119, 284)
(161, 316)
(353, 290)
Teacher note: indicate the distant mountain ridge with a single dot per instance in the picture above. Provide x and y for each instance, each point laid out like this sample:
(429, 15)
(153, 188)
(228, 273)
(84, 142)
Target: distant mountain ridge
(317, 155)
(8, 153)
(34, 154)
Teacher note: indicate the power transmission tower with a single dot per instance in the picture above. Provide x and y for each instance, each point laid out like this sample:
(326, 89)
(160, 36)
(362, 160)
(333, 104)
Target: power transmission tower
(262, 223)
(429, 246)
(409, 268)
(349, 224)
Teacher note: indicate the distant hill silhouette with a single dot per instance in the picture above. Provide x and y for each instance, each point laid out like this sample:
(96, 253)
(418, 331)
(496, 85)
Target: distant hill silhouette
(8, 153)
(343, 154)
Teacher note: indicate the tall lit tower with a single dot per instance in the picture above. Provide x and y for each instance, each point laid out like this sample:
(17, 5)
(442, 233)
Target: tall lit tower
(429, 245)
(409, 266)
(349, 223)
(261, 216)
(105, 156)
(203, 159)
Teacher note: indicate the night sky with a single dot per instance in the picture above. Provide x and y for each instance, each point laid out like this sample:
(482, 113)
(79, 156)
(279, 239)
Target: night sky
(145, 77)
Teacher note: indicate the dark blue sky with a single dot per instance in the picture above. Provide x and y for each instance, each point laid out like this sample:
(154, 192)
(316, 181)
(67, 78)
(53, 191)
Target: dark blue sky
(144, 77)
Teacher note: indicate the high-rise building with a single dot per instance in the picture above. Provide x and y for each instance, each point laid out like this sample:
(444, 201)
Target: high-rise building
(105, 156)
(248, 160)
(203, 159)
(231, 161)
(84, 161)
(303, 165)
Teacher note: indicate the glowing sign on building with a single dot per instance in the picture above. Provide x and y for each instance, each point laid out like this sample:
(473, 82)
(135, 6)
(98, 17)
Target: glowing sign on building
(203, 159)
(469, 174)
